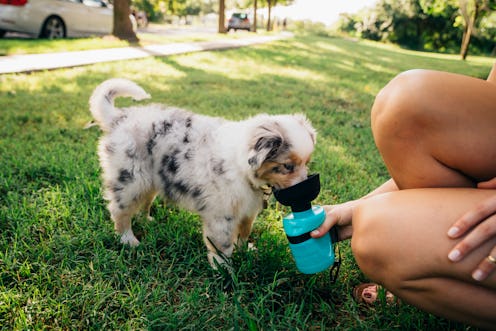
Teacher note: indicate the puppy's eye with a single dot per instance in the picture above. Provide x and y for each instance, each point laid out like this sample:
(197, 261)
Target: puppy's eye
(289, 167)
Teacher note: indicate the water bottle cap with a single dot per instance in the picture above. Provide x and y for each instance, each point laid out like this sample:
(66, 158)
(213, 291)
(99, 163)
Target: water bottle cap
(300, 196)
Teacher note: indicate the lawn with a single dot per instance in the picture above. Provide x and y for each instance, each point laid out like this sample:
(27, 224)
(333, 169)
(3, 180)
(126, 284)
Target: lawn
(61, 265)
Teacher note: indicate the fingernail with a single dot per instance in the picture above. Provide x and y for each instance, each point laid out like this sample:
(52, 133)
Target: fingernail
(454, 255)
(453, 231)
(479, 275)
(316, 232)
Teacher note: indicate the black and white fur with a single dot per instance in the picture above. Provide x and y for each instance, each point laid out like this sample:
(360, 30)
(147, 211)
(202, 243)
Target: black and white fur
(211, 166)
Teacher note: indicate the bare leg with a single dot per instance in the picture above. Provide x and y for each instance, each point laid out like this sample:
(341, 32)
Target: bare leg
(400, 241)
(433, 129)
(436, 129)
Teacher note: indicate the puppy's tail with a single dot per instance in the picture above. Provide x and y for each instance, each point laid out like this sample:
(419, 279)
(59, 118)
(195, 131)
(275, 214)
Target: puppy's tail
(102, 100)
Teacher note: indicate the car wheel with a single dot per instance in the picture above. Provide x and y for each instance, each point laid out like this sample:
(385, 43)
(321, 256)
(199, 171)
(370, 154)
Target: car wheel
(53, 28)
(2, 33)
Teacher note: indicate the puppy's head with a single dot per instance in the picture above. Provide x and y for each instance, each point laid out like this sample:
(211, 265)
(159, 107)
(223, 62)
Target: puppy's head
(280, 149)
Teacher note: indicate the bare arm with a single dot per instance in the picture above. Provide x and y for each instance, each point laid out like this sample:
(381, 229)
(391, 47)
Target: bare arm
(341, 215)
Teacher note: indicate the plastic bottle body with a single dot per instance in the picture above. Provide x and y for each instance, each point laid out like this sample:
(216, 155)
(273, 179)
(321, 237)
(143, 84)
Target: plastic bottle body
(311, 255)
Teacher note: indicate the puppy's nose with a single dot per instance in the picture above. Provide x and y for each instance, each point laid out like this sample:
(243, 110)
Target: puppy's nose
(302, 176)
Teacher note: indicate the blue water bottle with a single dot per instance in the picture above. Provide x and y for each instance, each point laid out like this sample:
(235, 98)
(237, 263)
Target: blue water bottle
(311, 255)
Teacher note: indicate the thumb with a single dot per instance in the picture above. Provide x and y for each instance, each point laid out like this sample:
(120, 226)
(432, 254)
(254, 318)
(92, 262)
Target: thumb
(490, 184)
(330, 220)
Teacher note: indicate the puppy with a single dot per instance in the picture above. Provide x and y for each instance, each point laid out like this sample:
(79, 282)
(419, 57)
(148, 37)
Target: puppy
(211, 166)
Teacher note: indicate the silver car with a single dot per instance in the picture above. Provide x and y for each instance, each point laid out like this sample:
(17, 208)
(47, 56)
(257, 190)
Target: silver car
(239, 21)
(56, 18)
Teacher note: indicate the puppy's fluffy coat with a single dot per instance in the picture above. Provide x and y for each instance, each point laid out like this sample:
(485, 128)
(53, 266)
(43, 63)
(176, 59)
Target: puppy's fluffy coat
(211, 166)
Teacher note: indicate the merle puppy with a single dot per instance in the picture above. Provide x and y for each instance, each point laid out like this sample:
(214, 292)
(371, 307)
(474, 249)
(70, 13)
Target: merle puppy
(211, 166)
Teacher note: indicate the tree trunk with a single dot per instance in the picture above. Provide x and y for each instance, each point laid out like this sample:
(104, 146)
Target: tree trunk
(467, 33)
(123, 29)
(269, 23)
(470, 19)
(255, 8)
(222, 17)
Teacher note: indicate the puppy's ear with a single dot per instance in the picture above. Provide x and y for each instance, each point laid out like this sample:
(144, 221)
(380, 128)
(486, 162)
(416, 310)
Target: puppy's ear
(267, 143)
(303, 120)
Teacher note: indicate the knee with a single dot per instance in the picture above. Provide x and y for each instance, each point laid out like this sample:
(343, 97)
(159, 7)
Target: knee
(369, 240)
(398, 110)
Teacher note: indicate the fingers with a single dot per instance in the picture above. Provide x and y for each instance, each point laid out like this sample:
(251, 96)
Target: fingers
(480, 234)
(329, 222)
(486, 267)
(473, 217)
(484, 220)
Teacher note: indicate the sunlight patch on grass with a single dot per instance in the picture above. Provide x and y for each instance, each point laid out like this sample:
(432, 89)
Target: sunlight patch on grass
(233, 68)
(346, 65)
(296, 73)
(379, 68)
(70, 87)
(330, 48)
(151, 67)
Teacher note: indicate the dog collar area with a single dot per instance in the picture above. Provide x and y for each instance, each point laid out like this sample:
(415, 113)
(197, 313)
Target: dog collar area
(267, 191)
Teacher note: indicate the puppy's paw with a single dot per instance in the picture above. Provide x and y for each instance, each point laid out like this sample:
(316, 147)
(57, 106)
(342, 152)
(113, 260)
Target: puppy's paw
(128, 238)
(146, 215)
(219, 261)
(252, 247)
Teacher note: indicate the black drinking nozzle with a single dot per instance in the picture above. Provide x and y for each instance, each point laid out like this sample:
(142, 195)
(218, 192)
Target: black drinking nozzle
(300, 196)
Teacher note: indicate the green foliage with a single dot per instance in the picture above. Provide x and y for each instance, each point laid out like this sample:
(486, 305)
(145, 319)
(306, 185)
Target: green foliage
(61, 266)
(152, 8)
(156, 10)
(432, 25)
(309, 28)
(183, 8)
(437, 7)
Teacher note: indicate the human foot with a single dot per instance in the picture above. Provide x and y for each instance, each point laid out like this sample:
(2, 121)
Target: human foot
(369, 293)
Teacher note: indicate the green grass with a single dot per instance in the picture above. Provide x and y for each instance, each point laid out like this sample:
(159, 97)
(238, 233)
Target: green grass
(62, 267)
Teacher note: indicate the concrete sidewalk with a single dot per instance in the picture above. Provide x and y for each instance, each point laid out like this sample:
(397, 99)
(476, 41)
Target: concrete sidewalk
(48, 61)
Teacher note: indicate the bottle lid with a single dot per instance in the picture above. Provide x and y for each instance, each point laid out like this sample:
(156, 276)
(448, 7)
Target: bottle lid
(300, 196)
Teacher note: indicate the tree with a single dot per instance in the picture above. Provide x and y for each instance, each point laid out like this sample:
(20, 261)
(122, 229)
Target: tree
(222, 17)
(123, 28)
(434, 25)
(255, 8)
(271, 4)
(471, 12)
(184, 8)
